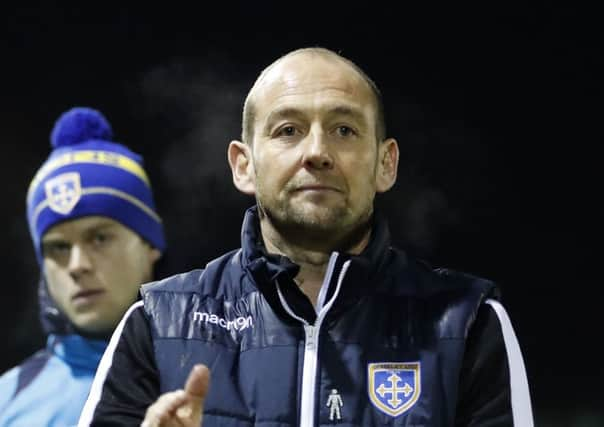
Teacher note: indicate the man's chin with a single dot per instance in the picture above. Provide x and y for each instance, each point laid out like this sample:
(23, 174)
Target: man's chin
(93, 326)
(318, 221)
(310, 218)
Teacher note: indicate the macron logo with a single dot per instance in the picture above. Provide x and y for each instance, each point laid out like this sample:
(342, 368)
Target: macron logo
(239, 323)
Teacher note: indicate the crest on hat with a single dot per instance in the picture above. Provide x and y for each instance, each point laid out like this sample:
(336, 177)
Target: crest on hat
(394, 387)
(63, 192)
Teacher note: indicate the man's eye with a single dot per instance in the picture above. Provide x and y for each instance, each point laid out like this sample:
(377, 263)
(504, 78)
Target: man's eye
(344, 131)
(100, 238)
(56, 249)
(287, 131)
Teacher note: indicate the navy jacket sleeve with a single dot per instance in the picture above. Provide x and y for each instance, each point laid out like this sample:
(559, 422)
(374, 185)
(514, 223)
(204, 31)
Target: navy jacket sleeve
(132, 381)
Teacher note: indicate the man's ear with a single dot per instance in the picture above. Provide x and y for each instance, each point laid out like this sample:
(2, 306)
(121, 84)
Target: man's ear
(387, 166)
(154, 255)
(242, 167)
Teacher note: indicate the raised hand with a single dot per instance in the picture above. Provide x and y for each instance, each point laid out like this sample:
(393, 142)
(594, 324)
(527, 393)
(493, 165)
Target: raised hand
(181, 408)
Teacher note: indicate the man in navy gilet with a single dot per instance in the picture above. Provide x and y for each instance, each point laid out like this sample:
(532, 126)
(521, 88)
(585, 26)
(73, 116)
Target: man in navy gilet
(316, 320)
(96, 235)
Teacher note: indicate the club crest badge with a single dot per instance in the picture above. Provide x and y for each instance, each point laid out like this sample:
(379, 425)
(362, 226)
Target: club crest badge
(394, 387)
(63, 192)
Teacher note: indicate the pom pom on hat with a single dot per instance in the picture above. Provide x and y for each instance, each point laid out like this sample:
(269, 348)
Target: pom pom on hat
(78, 125)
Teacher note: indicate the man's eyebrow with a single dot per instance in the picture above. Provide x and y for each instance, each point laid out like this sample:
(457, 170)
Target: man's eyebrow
(99, 227)
(344, 110)
(339, 110)
(53, 240)
(283, 113)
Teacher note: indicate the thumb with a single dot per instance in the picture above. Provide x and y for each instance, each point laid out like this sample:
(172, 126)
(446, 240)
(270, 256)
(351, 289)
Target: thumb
(198, 382)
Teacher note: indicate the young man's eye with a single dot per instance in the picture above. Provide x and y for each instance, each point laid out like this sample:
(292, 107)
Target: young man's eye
(56, 249)
(101, 238)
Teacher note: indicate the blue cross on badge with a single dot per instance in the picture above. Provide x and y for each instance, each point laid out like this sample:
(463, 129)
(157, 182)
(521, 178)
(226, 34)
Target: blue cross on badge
(394, 387)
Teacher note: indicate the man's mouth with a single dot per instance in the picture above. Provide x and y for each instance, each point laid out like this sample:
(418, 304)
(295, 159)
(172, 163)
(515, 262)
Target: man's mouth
(316, 187)
(87, 295)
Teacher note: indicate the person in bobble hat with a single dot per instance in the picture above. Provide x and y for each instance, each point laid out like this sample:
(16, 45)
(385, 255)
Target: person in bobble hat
(96, 235)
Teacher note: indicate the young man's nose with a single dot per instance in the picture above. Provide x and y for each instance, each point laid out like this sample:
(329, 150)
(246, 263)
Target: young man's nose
(79, 260)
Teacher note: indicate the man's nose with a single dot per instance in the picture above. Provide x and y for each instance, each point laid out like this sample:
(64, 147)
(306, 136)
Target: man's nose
(317, 151)
(79, 261)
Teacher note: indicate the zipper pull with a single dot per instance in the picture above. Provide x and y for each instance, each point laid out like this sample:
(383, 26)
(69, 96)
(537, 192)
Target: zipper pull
(311, 336)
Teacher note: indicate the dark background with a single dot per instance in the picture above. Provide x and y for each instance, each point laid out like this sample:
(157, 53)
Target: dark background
(497, 109)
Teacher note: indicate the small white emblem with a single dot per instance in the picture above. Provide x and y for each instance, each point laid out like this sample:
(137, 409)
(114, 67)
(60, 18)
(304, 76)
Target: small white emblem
(63, 192)
(334, 401)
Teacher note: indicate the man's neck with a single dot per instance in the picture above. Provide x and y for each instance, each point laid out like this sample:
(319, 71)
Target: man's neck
(312, 261)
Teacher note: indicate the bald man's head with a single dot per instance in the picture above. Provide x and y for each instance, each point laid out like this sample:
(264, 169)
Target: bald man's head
(249, 107)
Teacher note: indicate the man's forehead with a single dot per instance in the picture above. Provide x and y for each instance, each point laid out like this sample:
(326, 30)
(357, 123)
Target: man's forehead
(307, 74)
(79, 225)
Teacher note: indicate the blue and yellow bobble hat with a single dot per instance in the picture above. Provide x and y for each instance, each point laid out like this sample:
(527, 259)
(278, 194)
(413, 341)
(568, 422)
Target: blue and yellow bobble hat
(89, 174)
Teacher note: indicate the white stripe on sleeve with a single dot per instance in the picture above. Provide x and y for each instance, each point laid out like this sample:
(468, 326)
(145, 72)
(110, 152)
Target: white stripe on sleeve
(521, 399)
(101, 373)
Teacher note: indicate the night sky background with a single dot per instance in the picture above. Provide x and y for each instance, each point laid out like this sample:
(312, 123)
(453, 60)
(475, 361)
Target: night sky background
(497, 110)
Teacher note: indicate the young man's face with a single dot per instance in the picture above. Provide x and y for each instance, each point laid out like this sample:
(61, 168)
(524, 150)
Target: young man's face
(316, 161)
(94, 267)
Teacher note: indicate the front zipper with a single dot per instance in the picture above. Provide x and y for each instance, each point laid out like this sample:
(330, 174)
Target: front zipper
(309, 375)
(311, 342)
